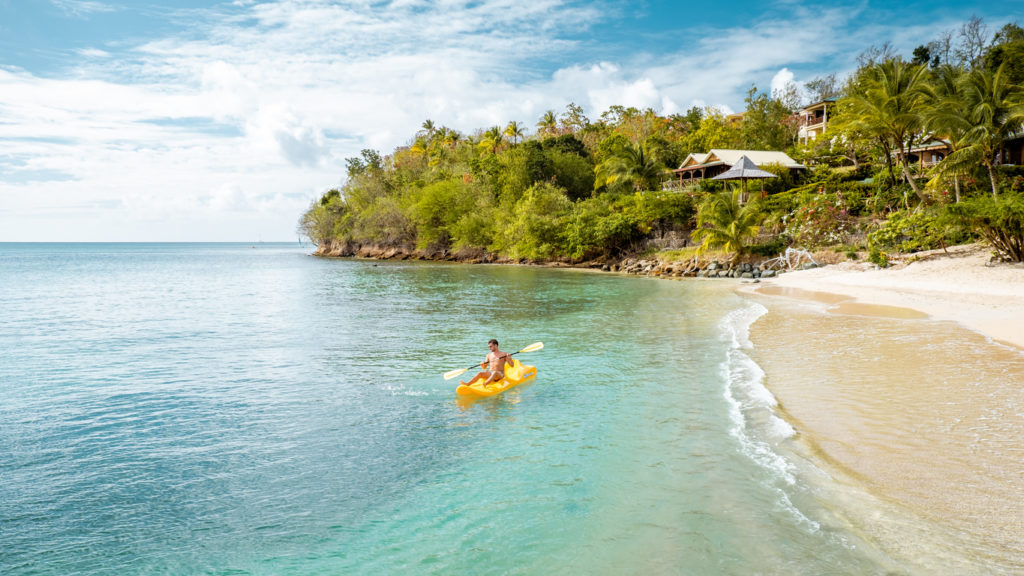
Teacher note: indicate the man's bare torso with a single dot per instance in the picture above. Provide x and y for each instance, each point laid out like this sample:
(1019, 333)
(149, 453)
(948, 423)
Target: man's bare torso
(497, 360)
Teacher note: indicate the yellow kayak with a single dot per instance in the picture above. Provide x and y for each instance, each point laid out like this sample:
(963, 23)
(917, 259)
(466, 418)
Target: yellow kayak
(514, 376)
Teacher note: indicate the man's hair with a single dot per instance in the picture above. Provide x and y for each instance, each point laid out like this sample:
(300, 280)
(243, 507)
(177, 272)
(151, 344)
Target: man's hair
(493, 341)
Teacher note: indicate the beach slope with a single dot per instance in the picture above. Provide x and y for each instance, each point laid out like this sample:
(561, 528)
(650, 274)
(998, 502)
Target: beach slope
(958, 284)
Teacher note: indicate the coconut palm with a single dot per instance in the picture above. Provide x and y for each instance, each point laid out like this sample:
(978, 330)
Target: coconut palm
(994, 110)
(948, 120)
(420, 146)
(492, 139)
(427, 129)
(515, 131)
(891, 104)
(448, 137)
(723, 222)
(548, 123)
(634, 164)
(440, 147)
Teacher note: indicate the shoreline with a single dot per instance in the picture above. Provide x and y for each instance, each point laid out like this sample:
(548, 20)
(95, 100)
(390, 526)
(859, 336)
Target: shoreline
(908, 384)
(959, 285)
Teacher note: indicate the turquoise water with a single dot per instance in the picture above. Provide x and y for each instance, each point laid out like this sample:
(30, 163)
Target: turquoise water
(237, 409)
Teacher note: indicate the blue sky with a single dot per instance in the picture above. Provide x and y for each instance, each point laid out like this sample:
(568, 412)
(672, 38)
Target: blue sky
(221, 121)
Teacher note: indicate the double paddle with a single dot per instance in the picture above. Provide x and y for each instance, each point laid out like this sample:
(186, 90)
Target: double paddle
(453, 373)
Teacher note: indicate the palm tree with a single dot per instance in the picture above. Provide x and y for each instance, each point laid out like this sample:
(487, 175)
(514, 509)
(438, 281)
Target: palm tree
(891, 105)
(548, 123)
(515, 131)
(994, 110)
(420, 146)
(428, 128)
(948, 120)
(723, 222)
(634, 164)
(448, 137)
(492, 139)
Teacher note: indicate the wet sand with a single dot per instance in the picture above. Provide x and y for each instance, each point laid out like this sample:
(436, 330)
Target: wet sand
(922, 413)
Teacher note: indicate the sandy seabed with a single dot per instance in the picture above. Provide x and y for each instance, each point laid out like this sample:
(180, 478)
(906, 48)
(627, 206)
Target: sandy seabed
(909, 382)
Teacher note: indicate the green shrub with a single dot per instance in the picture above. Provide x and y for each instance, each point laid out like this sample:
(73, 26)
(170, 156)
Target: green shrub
(771, 248)
(572, 172)
(1017, 184)
(784, 202)
(534, 229)
(999, 220)
(822, 221)
(325, 218)
(662, 210)
(905, 232)
(473, 230)
(1010, 171)
(885, 200)
(783, 181)
(854, 195)
(608, 224)
(878, 258)
(439, 207)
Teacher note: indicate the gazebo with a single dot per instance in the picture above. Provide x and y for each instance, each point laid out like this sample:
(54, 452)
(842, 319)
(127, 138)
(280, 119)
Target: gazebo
(698, 166)
(744, 169)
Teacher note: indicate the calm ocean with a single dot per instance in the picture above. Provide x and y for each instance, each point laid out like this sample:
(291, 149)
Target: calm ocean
(240, 409)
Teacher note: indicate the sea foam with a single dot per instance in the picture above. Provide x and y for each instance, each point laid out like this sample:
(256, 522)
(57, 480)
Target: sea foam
(755, 425)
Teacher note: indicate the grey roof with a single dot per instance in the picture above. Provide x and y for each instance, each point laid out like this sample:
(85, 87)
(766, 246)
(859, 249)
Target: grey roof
(744, 168)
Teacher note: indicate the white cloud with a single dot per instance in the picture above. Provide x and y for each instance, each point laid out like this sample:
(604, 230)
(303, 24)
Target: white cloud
(81, 8)
(249, 113)
(93, 53)
(227, 198)
(781, 79)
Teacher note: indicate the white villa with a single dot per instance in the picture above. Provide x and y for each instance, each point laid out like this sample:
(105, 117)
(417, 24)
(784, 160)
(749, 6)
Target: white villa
(813, 120)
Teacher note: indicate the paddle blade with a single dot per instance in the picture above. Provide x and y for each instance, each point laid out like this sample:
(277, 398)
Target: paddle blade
(453, 373)
(533, 347)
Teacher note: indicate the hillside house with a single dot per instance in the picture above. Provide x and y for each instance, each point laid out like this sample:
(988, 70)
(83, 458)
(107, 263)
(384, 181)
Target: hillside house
(698, 166)
(812, 120)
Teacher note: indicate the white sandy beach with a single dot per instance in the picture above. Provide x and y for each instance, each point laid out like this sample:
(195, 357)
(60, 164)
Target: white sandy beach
(923, 414)
(959, 285)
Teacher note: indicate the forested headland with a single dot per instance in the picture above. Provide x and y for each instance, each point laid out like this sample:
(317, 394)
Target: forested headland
(575, 189)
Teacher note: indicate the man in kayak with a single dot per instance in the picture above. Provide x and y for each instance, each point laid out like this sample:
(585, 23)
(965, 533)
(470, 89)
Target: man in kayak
(498, 360)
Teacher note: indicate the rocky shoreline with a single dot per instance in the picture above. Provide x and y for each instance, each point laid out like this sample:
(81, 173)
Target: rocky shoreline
(696, 267)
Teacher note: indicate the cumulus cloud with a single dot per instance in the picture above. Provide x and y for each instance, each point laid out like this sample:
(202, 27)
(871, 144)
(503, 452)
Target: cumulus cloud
(781, 79)
(256, 104)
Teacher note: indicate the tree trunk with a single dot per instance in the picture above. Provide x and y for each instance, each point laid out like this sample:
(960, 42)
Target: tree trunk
(888, 161)
(956, 187)
(905, 161)
(992, 177)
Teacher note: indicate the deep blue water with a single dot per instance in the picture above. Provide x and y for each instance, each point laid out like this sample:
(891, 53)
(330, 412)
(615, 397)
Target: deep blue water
(240, 409)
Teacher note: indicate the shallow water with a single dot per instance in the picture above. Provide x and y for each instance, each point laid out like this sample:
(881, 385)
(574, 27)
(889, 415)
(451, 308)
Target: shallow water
(252, 409)
(919, 420)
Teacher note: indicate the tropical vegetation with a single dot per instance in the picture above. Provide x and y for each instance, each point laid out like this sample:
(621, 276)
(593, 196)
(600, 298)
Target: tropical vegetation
(580, 189)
